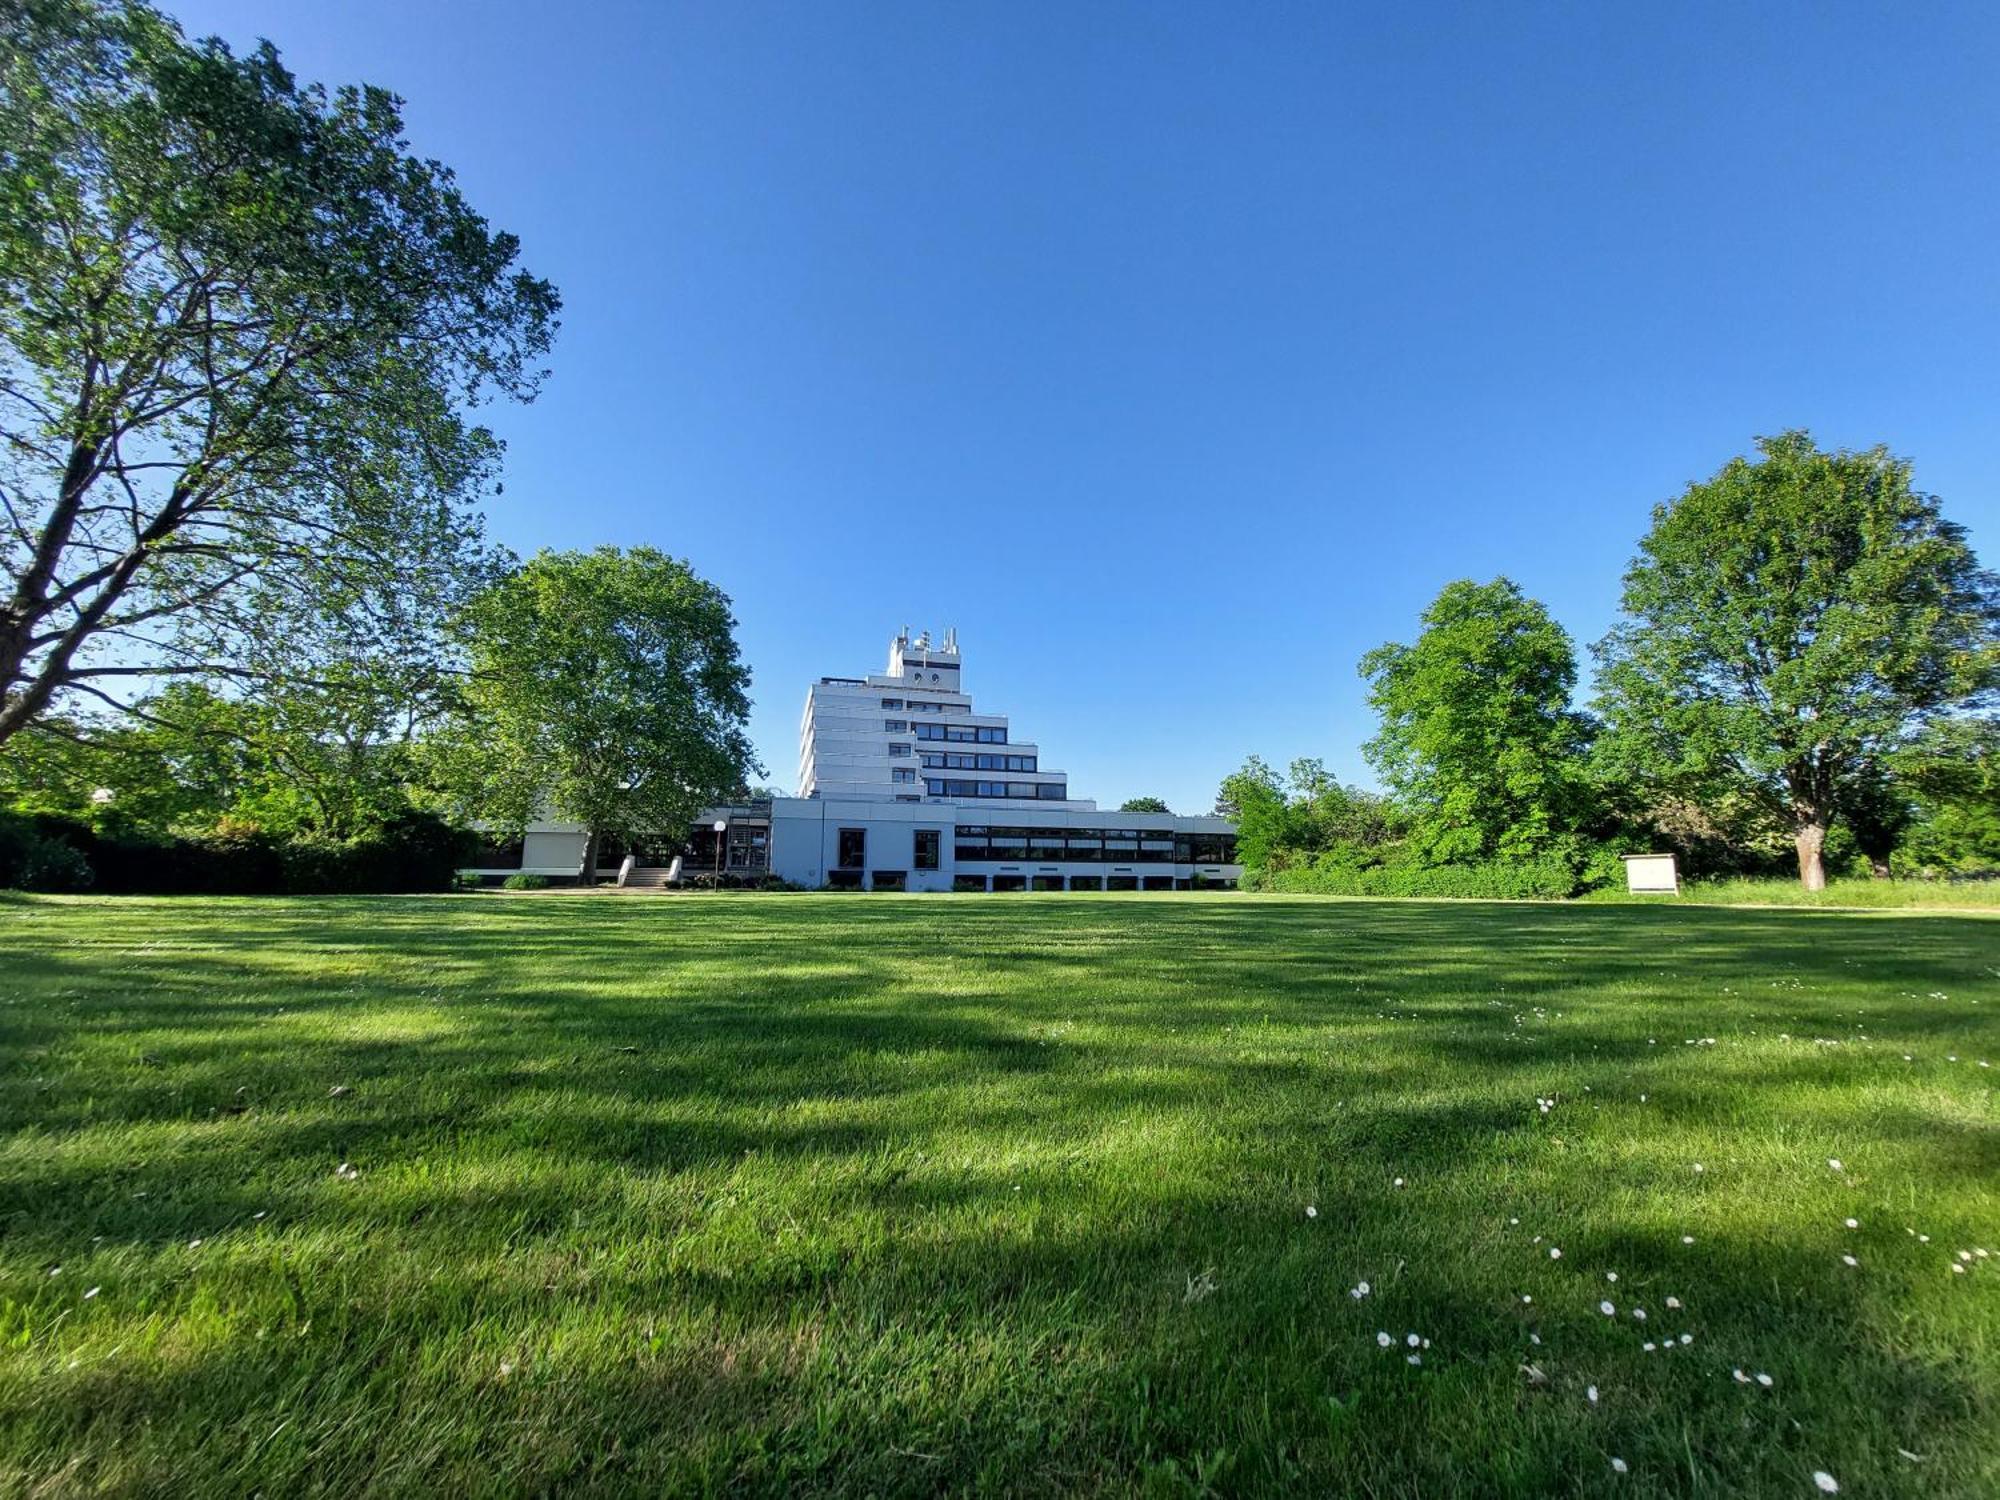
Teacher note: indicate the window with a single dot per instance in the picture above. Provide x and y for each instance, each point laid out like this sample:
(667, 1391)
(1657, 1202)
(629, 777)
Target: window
(1052, 789)
(892, 702)
(928, 845)
(899, 748)
(968, 883)
(886, 880)
(853, 848)
(896, 726)
(903, 775)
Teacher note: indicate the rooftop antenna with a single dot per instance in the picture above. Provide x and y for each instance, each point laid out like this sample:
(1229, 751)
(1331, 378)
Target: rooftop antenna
(951, 639)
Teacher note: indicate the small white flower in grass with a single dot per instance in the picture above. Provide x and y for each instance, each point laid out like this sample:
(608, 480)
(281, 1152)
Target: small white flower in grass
(1311, 1212)
(1827, 1483)
(92, 1293)
(1364, 1288)
(1610, 1275)
(55, 1270)
(1383, 1339)
(1763, 1380)
(1590, 1394)
(1699, 1167)
(1413, 1339)
(1398, 1182)
(1848, 1260)
(1834, 1163)
(1607, 1309)
(1673, 1302)
(1555, 1254)
(1687, 1239)
(194, 1244)
(1639, 1314)
(1414, 1359)
(1923, 1239)
(1741, 1378)
(1619, 1466)
(1649, 1346)
(261, 1213)
(1962, 1255)
(1513, 1221)
(1958, 1268)
(1853, 1223)
(1535, 1339)
(1525, 1299)
(1687, 1338)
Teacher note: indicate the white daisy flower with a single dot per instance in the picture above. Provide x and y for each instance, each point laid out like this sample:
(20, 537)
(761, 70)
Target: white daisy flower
(1828, 1485)
(1853, 1223)
(1610, 1275)
(1590, 1394)
(1413, 1359)
(1639, 1314)
(1311, 1212)
(1687, 1239)
(1848, 1260)
(1763, 1380)
(1619, 1466)
(1673, 1302)
(1413, 1340)
(92, 1293)
(1384, 1340)
(1607, 1309)
(1834, 1163)
(1555, 1254)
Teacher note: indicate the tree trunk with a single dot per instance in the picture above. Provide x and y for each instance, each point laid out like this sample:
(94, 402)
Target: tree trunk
(1811, 841)
(587, 873)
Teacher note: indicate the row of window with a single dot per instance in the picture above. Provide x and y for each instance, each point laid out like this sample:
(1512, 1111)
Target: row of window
(1092, 845)
(903, 775)
(926, 706)
(956, 761)
(957, 733)
(939, 786)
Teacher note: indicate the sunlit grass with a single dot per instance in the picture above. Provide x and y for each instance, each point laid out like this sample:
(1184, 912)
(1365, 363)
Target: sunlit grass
(1966, 894)
(896, 1195)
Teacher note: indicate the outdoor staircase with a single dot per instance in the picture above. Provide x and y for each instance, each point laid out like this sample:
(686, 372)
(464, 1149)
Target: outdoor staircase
(652, 877)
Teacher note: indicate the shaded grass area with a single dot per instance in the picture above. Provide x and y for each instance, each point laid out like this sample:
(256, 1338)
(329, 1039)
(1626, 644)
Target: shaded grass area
(899, 1195)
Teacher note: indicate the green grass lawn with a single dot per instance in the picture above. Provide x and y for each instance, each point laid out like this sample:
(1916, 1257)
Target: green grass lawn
(881, 1195)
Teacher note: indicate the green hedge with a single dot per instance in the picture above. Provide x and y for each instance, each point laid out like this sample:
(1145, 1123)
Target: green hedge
(413, 853)
(1554, 876)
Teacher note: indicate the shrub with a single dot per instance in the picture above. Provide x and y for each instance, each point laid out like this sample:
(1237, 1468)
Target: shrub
(34, 859)
(413, 852)
(1553, 876)
(524, 880)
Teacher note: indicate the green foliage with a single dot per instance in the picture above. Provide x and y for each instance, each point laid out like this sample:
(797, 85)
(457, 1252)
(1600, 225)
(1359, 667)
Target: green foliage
(1545, 877)
(413, 852)
(1789, 626)
(1478, 739)
(605, 688)
(1144, 805)
(525, 880)
(33, 859)
(1952, 776)
(240, 322)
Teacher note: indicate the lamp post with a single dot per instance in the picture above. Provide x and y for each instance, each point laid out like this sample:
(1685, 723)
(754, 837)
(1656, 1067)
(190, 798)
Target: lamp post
(721, 841)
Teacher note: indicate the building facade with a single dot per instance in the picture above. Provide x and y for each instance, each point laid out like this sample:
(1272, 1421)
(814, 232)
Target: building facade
(905, 785)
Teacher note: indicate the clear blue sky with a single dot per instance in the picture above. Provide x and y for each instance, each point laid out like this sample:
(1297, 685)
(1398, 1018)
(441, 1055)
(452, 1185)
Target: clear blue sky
(1178, 354)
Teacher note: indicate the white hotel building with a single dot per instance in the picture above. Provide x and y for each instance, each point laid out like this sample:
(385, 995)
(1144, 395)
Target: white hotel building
(905, 785)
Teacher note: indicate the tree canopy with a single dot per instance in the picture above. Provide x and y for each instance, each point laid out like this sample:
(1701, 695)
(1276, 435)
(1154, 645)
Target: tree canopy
(1144, 805)
(606, 690)
(239, 326)
(1789, 627)
(1478, 738)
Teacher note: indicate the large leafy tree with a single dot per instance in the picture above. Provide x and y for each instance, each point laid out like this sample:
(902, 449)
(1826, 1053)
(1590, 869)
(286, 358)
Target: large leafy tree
(1789, 627)
(240, 325)
(605, 689)
(1144, 805)
(1478, 739)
